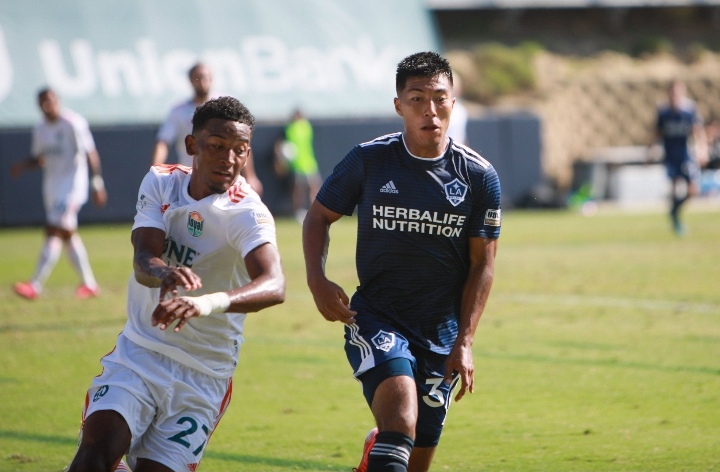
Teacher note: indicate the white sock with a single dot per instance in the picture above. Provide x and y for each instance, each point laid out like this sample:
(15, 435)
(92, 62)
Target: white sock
(79, 259)
(49, 256)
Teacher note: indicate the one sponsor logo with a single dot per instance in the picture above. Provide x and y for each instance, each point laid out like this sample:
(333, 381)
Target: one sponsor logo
(140, 203)
(493, 217)
(384, 341)
(100, 393)
(195, 224)
(389, 188)
(455, 192)
(262, 217)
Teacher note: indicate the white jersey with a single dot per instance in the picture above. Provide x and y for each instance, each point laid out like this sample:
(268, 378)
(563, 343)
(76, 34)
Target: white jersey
(212, 236)
(64, 143)
(177, 125)
(457, 129)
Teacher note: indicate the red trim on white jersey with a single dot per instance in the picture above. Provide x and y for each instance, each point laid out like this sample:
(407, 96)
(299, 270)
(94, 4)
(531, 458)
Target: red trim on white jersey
(170, 168)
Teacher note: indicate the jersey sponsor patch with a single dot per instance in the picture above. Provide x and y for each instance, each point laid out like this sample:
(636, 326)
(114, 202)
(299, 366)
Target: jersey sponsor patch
(493, 217)
(100, 393)
(195, 224)
(262, 217)
(384, 341)
(455, 192)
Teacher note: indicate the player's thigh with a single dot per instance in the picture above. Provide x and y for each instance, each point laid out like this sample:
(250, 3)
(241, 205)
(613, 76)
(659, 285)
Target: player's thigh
(62, 214)
(184, 423)
(434, 397)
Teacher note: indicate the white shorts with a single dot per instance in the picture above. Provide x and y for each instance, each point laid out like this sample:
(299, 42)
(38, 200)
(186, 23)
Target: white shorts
(171, 409)
(62, 213)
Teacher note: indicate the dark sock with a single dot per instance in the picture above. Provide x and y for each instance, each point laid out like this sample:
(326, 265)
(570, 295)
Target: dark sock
(390, 453)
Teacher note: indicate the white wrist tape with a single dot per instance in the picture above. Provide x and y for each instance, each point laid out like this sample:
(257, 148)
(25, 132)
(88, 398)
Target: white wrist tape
(211, 303)
(97, 183)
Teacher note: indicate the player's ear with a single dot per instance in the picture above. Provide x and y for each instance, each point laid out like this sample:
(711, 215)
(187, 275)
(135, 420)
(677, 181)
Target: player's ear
(396, 101)
(190, 145)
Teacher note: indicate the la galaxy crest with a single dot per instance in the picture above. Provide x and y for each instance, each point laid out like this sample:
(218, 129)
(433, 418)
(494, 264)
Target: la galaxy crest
(195, 224)
(455, 192)
(384, 341)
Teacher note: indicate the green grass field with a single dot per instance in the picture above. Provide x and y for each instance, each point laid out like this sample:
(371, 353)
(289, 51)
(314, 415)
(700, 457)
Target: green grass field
(599, 351)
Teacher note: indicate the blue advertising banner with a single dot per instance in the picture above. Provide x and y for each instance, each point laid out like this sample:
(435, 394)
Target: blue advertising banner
(125, 62)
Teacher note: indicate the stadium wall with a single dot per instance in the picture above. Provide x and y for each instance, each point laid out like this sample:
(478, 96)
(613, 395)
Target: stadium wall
(511, 142)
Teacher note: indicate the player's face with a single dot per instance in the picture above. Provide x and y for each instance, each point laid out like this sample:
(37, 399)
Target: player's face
(425, 105)
(220, 150)
(50, 105)
(201, 81)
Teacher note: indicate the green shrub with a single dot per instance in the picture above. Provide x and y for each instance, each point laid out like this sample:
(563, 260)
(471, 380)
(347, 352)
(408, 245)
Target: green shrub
(503, 70)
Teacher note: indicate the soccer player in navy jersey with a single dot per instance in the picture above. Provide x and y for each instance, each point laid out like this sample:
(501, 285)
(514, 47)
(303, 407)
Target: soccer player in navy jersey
(677, 121)
(428, 213)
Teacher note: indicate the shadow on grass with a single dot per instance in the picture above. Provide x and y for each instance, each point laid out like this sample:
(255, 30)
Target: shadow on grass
(224, 456)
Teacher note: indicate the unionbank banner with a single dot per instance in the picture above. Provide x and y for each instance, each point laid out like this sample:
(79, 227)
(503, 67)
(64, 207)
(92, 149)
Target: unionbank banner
(124, 62)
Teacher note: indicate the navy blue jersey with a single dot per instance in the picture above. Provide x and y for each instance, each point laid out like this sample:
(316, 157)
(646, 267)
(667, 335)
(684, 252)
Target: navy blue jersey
(675, 127)
(415, 216)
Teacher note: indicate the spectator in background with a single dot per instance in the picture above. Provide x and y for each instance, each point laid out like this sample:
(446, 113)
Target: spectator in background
(677, 123)
(178, 124)
(299, 151)
(63, 147)
(457, 129)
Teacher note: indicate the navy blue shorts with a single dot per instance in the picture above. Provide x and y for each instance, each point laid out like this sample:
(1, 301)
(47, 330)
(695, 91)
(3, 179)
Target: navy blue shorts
(688, 170)
(377, 351)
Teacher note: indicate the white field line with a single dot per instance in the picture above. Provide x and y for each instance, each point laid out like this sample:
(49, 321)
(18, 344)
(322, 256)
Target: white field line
(614, 302)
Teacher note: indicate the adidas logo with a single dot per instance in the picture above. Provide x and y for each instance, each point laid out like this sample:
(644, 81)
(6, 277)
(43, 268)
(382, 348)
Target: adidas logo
(389, 188)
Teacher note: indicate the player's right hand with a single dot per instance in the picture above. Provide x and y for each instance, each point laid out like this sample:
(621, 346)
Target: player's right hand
(176, 277)
(332, 302)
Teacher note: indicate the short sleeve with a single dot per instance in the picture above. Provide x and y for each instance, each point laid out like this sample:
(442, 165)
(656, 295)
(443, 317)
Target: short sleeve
(251, 228)
(148, 208)
(486, 218)
(342, 190)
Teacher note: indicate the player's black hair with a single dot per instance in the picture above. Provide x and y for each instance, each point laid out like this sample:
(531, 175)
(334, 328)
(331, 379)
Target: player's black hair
(422, 64)
(195, 67)
(225, 108)
(44, 91)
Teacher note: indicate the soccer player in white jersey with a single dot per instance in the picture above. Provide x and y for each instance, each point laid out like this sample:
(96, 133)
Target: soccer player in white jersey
(63, 147)
(178, 124)
(204, 255)
(428, 217)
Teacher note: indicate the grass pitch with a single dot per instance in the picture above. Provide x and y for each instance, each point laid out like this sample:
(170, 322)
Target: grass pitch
(599, 351)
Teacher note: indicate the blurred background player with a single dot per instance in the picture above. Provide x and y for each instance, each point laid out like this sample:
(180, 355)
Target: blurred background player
(205, 254)
(677, 122)
(457, 129)
(428, 217)
(63, 147)
(178, 124)
(299, 151)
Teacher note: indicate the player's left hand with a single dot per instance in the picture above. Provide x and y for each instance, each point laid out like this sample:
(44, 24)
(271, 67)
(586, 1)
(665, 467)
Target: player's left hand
(174, 309)
(99, 197)
(460, 360)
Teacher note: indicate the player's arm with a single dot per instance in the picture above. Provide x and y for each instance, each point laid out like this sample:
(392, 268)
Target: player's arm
(97, 184)
(474, 298)
(151, 270)
(266, 288)
(250, 176)
(701, 143)
(160, 153)
(331, 300)
(29, 163)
